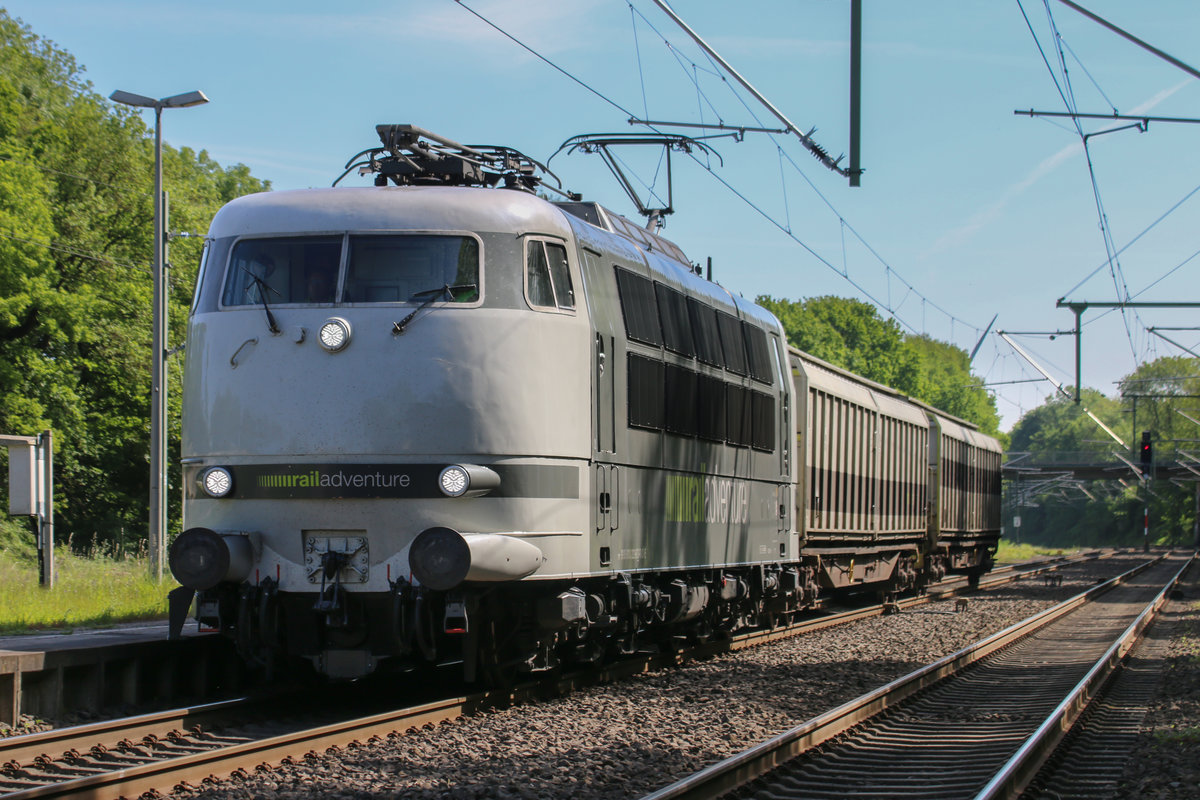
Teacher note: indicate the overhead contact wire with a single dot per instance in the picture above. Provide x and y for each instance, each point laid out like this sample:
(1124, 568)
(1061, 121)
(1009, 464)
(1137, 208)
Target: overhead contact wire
(786, 226)
(1068, 97)
(641, 74)
(758, 209)
(800, 242)
(1130, 243)
(545, 60)
(78, 253)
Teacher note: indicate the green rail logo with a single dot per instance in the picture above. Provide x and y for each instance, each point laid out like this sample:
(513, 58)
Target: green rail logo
(707, 498)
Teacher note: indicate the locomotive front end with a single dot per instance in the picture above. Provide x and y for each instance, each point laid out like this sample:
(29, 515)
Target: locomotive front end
(379, 420)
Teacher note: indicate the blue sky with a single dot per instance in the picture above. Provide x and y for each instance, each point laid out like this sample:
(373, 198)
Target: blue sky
(965, 209)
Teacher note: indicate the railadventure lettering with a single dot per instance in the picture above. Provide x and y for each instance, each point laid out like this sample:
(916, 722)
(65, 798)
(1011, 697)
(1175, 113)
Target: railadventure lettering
(335, 480)
(707, 498)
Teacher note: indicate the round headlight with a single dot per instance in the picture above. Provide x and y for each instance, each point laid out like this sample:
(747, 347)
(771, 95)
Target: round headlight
(334, 334)
(467, 480)
(217, 481)
(454, 481)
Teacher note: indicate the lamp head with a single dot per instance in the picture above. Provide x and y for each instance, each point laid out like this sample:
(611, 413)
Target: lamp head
(184, 100)
(131, 99)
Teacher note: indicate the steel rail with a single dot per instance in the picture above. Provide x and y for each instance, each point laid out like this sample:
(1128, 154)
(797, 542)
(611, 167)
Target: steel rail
(167, 771)
(1014, 777)
(20, 749)
(727, 775)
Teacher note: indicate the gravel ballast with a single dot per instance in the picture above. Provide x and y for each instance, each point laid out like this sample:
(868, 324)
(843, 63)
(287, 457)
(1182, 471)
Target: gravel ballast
(629, 738)
(1165, 764)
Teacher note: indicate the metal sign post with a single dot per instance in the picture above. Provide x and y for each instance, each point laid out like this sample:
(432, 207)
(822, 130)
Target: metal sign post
(1146, 529)
(31, 492)
(1145, 484)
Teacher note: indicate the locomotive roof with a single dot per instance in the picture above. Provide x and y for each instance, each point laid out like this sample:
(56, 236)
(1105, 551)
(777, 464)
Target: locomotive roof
(601, 217)
(388, 208)
(443, 208)
(665, 259)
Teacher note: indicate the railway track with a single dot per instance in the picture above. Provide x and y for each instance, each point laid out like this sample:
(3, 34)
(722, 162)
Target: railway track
(976, 724)
(155, 752)
(1091, 761)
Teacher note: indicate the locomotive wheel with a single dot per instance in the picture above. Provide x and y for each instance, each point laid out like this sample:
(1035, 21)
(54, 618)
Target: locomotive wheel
(498, 674)
(499, 657)
(500, 666)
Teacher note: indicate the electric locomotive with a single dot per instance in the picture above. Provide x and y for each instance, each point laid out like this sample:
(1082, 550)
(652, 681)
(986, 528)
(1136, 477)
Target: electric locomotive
(444, 419)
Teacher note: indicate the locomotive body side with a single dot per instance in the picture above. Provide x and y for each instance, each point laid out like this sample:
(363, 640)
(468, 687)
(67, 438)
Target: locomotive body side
(679, 488)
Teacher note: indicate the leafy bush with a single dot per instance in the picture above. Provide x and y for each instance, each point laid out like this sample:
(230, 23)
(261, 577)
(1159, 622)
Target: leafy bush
(76, 231)
(16, 541)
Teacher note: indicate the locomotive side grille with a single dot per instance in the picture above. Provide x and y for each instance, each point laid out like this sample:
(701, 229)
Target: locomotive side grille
(646, 393)
(639, 307)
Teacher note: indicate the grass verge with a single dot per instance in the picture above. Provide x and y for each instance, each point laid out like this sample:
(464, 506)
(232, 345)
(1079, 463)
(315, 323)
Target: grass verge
(88, 592)
(1010, 553)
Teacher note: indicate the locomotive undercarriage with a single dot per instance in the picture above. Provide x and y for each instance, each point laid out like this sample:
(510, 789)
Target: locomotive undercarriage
(499, 631)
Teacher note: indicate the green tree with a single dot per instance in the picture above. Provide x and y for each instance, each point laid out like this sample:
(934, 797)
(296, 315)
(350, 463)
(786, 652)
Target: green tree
(76, 234)
(1163, 398)
(1061, 426)
(850, 334)
(1112, 511)
(947, 383)
(1157, 396)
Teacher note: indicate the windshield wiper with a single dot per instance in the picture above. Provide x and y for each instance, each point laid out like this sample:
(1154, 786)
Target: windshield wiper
(446, 292)
(263, 288)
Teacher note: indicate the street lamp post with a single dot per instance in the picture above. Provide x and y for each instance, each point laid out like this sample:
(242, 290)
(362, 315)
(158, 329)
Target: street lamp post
(158, 374)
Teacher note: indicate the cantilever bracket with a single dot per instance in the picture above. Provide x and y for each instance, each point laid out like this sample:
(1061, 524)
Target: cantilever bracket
(600, 143)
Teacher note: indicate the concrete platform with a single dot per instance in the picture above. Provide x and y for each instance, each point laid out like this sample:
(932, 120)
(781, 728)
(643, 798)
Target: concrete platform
(59, 676)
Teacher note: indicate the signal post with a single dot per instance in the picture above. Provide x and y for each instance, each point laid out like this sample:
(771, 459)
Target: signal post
(1147, 457)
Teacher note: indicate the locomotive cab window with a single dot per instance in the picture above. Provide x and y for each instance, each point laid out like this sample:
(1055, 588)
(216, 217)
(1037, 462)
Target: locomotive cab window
(392, 268)
(548, 276)
(281, 271)
(407, 268)
(205, 254)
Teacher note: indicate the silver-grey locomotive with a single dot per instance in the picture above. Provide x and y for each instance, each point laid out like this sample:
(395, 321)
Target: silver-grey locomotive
(442, 418)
